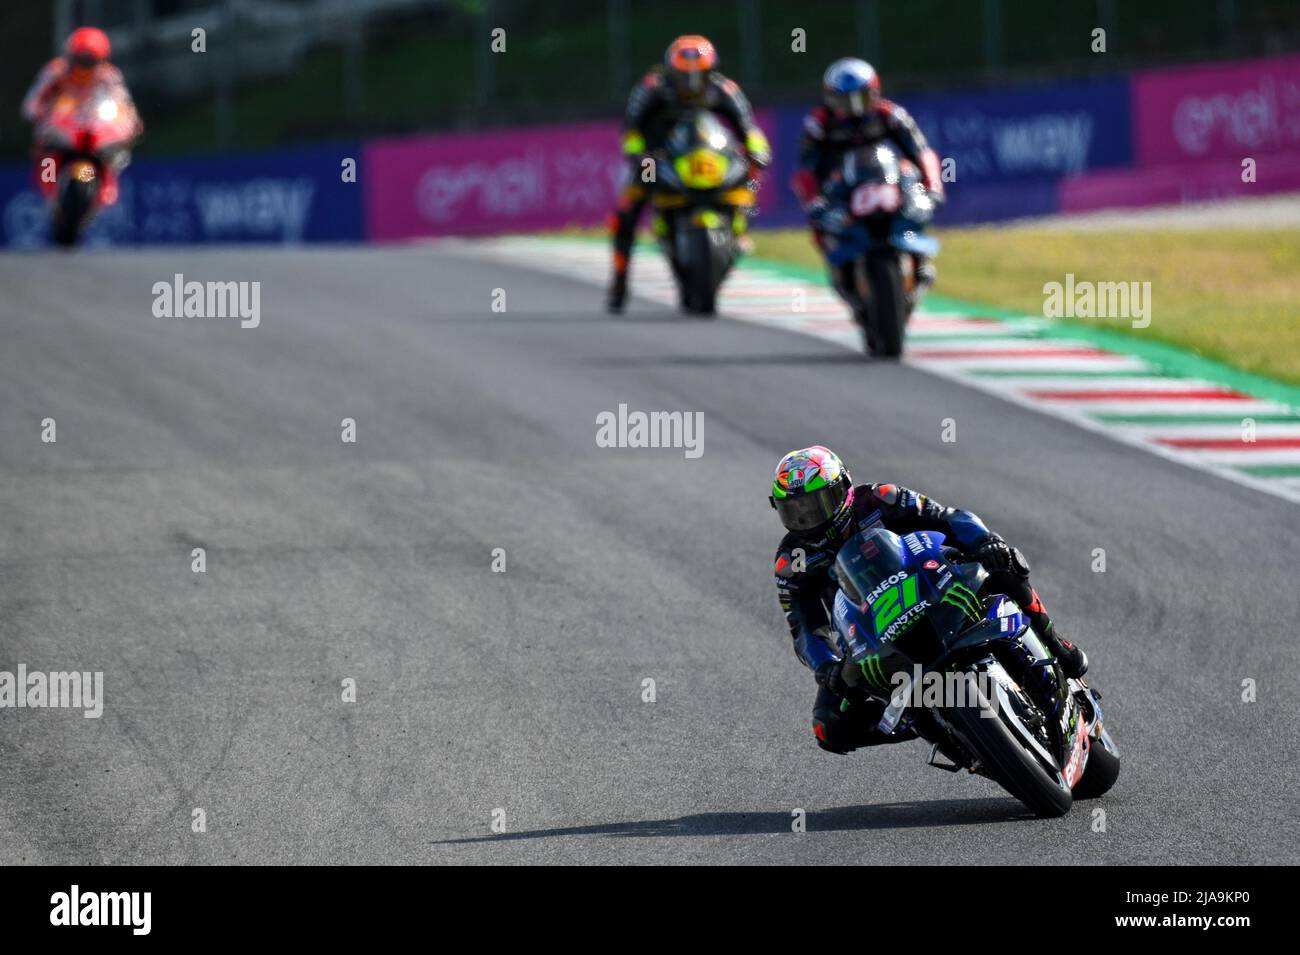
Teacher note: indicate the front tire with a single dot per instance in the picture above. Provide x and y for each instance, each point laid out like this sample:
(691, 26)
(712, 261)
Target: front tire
(703, 270)
(888, 304)
(75, 201)
(998, 747)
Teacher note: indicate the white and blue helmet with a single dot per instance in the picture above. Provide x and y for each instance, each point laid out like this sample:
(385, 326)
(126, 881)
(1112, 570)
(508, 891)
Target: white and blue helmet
(850, 86)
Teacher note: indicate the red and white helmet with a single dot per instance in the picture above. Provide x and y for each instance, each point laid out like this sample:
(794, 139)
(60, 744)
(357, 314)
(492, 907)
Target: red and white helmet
(87, 47)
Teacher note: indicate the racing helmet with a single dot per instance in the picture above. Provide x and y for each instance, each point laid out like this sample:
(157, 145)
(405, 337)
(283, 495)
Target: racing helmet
(812, 491)
(688, 61)
(850, 87)
(87, 47)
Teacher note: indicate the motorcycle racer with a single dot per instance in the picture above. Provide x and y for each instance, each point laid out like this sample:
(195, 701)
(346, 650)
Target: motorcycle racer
(817, 502)
(83, 67)
(686, 80)
(852, 115)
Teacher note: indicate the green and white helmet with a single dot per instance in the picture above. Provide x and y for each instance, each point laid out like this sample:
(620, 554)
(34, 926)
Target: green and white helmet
(812, 490)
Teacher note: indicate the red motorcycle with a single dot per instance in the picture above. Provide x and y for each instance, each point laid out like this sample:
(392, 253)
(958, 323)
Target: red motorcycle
(84, 143)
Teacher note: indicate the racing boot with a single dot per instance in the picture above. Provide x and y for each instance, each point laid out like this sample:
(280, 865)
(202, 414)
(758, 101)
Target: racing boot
(617, 294)
(926, 273)
(868, 337)
(842, 724)
(1074, 662)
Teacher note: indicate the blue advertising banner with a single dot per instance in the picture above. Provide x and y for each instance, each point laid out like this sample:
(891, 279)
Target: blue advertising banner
(973, 202)
(777, 205)
(1009, 148)
(1057, 130)
(289, 195)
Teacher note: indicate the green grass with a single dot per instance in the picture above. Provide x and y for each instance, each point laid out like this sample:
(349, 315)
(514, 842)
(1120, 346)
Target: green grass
(1230, 296)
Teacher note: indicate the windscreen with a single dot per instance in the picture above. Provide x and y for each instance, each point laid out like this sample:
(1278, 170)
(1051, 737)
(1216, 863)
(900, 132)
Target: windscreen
(895, 582)
(871, 164)
(699, 130)
(867, 561)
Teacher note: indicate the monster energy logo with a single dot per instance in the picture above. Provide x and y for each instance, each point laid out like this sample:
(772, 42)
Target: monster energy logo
(964, 599)
(872, 670)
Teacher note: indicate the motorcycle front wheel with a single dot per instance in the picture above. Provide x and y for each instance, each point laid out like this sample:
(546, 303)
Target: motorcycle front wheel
(75, 201)
(707, 257)
(1007, 759)
(887, 312)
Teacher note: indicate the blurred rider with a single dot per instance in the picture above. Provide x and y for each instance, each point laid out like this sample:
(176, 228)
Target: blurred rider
(853, 114)
(82, 68)
(686, 80)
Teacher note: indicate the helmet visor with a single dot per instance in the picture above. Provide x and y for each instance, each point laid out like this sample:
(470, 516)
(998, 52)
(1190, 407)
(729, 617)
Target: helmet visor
(690, 82)
(806, 512)
(856, 103)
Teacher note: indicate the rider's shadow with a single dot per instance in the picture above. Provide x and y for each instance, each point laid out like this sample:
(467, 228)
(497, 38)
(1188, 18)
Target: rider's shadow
(890, 815)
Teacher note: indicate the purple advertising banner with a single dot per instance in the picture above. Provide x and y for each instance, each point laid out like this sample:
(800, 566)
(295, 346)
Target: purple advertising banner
(511, 181)
(1228, 111)
(1173, 183)
(517, 180)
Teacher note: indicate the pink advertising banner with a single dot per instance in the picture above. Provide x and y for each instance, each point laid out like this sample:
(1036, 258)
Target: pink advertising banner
(1173, 183)
(1223, 111)
(514, 180)
(475, 184)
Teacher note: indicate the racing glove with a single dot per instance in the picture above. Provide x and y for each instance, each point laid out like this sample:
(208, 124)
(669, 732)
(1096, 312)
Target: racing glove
(756, 145)
(998, 556)
(826, 217)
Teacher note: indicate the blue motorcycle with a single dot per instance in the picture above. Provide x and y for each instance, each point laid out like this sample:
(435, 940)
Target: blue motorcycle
(874, 212)
(965, 671)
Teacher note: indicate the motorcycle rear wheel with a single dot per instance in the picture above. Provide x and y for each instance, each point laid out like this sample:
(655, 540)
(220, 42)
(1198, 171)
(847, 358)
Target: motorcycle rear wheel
(1099, 775)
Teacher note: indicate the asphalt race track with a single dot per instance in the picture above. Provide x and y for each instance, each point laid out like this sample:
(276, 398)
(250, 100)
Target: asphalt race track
(522, 690)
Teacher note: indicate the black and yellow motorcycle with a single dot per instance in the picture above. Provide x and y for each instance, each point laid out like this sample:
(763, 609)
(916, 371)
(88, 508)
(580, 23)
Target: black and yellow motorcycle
(702, 200)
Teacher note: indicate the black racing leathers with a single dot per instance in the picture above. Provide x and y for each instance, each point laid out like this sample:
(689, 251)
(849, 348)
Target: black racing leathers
(827, 138)
(806, 591)
(653, 108)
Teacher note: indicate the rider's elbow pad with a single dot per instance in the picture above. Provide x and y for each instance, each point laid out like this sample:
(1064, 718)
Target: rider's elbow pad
(813, 650)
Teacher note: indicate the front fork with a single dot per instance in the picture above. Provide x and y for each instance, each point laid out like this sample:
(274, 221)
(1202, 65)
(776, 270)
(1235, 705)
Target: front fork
(853, 284)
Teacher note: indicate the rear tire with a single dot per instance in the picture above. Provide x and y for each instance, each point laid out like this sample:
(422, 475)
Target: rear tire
(1005, 756)
(888, 304)
(1099, 775)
